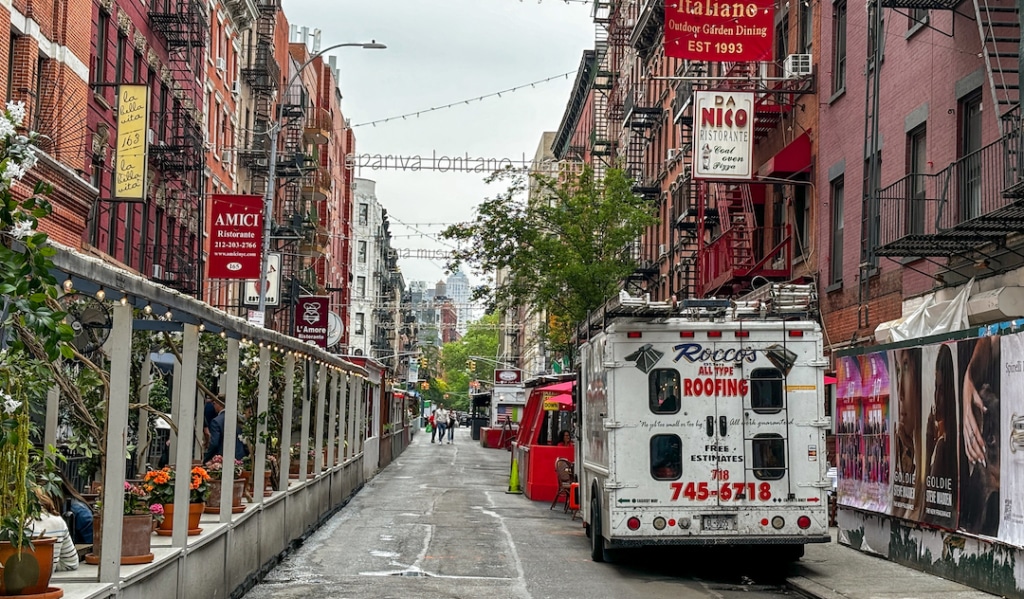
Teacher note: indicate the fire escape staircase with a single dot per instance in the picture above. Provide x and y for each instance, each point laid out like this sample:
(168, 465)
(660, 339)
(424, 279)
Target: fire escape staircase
(999, 29)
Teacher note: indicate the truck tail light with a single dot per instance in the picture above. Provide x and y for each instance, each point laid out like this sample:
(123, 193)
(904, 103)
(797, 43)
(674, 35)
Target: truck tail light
(634, 334)
(714, 333)
(742, 333)
(633, 523)
(686, 334)
(803, 522)
(796, 333)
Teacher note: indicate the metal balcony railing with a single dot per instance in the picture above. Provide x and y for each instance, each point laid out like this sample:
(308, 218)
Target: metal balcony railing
(319, 124)
(973, 201)
(725, 259)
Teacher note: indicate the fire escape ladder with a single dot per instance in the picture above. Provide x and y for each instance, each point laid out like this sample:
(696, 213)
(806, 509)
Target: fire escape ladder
(870, 194)
(736, 209)
(999, 28)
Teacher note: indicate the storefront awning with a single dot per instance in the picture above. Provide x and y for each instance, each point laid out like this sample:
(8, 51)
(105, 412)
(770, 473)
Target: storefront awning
(790, 160)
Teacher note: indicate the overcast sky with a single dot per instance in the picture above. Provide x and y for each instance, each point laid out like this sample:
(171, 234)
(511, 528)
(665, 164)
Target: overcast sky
(441, 52)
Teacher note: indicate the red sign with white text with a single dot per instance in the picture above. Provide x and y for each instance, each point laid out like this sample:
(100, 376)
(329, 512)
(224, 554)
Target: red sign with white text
(236, 236)
(719, 30)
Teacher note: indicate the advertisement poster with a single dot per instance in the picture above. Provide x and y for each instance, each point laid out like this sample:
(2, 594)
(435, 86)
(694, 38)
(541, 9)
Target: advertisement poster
(939, 409)
(907, 438)
(311, 319)
(719, 31)
(724, 136)
(236, 236)
(132, 144)
(848, 430)
(874, 483)
(980, 452)
(1011, 528)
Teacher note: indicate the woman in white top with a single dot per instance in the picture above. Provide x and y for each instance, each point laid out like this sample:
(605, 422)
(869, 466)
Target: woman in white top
(50, 524)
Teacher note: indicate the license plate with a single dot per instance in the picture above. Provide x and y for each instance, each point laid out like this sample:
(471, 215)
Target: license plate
(718, 522)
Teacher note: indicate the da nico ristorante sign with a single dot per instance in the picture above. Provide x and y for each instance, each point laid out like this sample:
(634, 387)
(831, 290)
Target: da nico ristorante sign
(132, 125)
(236, 236)
(724, 136)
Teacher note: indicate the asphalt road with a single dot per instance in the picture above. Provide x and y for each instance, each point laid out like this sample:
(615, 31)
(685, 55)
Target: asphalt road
(438, 523)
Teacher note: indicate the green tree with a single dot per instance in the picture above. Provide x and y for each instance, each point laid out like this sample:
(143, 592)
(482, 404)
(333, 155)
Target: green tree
(481, 339)
(560, 243)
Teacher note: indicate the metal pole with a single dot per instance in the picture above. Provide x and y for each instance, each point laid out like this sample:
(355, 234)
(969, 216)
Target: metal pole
(268, 197)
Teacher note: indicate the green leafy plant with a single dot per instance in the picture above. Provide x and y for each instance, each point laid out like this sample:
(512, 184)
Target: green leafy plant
(33, 336)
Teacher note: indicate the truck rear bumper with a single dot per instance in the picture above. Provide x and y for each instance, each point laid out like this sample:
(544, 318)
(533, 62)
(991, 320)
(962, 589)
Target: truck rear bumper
(718, 541)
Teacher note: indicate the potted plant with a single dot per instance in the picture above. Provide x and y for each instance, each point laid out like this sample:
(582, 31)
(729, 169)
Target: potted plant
(160, 486)
(34, 341)
(295, 452)
(136, 527)
(269, 478)
(215, 468)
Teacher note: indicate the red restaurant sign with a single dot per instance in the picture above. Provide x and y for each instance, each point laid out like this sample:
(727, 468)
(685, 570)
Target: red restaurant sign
(236, 236)
(311, 320)
(719, 30)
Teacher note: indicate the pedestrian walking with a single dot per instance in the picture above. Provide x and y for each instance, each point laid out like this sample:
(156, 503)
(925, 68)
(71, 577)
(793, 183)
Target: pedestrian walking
(451, 426)
(432, 425)
(441, 422)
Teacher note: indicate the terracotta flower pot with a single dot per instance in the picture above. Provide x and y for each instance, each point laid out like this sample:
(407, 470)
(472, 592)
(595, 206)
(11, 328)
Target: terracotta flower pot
(237, 490)
(26, 571)
(136, 534)
(195, 512)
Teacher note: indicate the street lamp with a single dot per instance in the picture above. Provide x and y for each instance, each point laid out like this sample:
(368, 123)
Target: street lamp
(268, 199)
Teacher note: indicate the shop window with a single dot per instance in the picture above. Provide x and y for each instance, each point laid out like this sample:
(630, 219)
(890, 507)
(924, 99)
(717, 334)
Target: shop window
(769, 452)
(766, 390)
(666, 457)
(663, 391)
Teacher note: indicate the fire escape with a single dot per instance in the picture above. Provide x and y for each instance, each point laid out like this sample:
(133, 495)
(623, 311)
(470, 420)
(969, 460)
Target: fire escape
(176, 150)
(612, 36)
(642, 117)
(263, 76)
(733, 243)
(965, 219)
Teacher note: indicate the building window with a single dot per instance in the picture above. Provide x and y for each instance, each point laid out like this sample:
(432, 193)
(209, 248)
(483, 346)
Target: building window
(122, 45)
(364, 214)
(917, 168)
(769, 456)
(361, 286)
(969, 159)
(838, 47)
(782, 42)
(837, 193)
(876, 43)
(360, 324)
(666, 457)
(361, 252)
(663, 390)
(802, 216)
(99, 74)
(766, 390)
(869, 213)
(806, 26)
(917, 18)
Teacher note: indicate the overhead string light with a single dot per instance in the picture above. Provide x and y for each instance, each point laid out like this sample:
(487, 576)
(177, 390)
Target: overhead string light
(496, 94)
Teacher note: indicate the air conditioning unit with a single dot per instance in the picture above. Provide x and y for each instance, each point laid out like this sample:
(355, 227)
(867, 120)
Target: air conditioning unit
(158, 271)
(236, 88)
(222, 64)
(797, 65)
(150, 136)
(673, 153)
(662, 250)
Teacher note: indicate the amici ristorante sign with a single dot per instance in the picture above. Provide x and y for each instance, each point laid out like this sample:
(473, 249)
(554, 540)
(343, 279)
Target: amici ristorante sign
(719, 31)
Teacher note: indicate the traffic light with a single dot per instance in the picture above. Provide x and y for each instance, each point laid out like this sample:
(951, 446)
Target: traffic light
(472, 366)
(423, 362)
(425, 385)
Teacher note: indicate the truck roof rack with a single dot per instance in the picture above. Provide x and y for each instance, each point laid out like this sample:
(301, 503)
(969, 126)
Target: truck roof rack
(775, 300)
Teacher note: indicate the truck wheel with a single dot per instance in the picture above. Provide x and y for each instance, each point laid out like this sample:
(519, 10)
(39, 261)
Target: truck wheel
(598, 546)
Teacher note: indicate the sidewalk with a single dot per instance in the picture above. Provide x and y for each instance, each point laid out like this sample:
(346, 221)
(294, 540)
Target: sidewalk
(834, 571)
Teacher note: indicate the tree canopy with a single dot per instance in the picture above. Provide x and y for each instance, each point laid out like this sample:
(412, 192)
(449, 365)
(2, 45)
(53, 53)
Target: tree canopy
(451, 365)
(557, 244)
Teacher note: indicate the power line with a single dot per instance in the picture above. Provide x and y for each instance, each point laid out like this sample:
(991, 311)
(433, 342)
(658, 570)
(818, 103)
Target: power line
(496, 94)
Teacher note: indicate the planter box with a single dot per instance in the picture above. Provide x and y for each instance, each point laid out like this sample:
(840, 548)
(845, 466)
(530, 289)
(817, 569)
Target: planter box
(136, 534)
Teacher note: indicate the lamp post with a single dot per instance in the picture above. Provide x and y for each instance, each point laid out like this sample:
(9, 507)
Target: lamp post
(268, 199)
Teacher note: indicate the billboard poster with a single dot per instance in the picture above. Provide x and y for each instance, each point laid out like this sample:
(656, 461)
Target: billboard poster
(848, 430)
(132, 143)
(725, 135)
(719, 30)
(1011, 458)
(939, 410)
(311, 319)
(862, 434)
(236, 236)
(980, 452)
(907, 453)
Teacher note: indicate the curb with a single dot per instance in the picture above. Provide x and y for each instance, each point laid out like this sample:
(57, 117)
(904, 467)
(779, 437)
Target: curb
(813, 590)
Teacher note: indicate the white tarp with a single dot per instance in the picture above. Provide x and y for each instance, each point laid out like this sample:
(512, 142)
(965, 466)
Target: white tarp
(933, 318)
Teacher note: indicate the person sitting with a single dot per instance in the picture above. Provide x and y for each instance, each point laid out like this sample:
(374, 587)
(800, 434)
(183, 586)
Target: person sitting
(81, 512)
(217, 437)
(564, 439)
(50, 524)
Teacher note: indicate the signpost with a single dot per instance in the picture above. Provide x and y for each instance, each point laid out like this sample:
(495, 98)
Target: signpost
(720, 30)
(311, 320)
(724, 140)
(132, 143)
(252, 293)
(236, 235)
